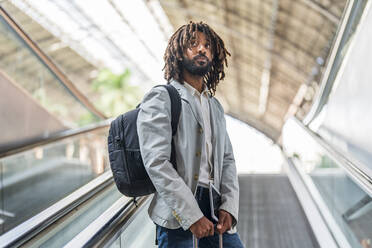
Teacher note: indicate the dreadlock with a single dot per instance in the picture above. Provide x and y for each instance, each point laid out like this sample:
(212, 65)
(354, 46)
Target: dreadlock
(180, 40)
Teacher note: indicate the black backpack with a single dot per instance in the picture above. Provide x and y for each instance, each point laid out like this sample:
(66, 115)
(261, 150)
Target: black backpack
(126, 162)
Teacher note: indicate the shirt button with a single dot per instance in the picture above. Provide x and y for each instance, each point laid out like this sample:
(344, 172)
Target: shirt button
(196, 177)
(197, 153)
(200, 130)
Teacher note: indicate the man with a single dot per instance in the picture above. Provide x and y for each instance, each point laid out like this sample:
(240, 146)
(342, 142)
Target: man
(194, 65)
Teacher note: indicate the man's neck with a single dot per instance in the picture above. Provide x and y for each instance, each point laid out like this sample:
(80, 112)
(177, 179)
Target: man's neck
(194, 80)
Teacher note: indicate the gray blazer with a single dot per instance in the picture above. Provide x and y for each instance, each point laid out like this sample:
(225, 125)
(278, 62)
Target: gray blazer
(174, 204)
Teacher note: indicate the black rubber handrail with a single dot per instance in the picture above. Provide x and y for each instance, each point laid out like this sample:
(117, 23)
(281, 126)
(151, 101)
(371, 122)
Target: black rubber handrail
(25, 145)
(33, 226)
(347, 162)
(105, 228)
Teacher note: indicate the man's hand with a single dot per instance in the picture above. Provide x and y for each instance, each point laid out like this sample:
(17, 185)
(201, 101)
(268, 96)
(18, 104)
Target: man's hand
(224, 221)
(202, 228)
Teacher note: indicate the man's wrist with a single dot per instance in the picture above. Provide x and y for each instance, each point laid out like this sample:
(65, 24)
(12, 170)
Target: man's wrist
(233, 220)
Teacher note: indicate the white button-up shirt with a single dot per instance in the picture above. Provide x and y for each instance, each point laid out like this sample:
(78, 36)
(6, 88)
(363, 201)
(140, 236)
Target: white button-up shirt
(201, 100)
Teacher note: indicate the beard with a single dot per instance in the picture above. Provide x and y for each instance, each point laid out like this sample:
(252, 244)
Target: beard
(194, 68)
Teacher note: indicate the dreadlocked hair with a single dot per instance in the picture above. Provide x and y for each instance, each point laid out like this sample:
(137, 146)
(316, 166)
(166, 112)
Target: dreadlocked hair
(173, 56)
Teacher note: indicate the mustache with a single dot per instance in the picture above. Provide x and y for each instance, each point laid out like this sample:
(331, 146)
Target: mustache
(199, 56)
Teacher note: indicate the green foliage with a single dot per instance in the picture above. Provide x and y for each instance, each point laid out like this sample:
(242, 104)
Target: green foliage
(86, 119)
(326, 162)
(117, 95)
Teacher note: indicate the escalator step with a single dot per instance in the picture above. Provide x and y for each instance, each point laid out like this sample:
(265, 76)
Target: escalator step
(270, 214)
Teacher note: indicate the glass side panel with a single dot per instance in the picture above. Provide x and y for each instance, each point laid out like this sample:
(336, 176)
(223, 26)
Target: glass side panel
(65, 230)
(349, 204)
(346, 38)
(130, 237)
(36, 179)
(33, 101)
(346, 119)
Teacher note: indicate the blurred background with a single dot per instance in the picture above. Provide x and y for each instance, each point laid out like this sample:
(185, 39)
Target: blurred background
(296, 98)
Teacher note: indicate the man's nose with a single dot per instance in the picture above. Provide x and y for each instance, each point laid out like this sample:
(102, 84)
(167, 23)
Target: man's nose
(201, 49)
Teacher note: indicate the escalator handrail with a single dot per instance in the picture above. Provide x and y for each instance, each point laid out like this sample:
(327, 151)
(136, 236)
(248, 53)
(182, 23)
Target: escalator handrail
(105, 228)
(31, 227)
(41, 141)
(75, 92)
(351, 165)
(337, 45)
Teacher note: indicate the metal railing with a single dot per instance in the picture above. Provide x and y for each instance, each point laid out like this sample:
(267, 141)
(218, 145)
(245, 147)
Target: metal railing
(326, 82)
(304, 153)
(30, 228)
(36, 224)
(41, 141)
(33, 226)
(349, 164)
(105, 229)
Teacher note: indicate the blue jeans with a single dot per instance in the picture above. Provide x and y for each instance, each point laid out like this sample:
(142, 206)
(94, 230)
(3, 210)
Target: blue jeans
(178, 238)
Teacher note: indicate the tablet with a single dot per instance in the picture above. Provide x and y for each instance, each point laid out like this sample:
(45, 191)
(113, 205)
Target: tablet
(215, 201)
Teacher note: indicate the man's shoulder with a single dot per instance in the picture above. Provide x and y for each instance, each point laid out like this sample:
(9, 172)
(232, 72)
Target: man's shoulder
(217, 103)
(156, 93)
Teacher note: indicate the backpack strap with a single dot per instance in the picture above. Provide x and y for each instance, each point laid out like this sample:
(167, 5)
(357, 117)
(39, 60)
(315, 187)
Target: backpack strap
(176, 107)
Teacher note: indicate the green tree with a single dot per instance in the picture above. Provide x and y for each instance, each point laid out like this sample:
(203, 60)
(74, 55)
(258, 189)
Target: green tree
(117, 95)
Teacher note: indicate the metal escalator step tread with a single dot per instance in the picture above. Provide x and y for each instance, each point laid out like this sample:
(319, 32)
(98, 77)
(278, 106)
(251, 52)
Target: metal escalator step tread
(270, 214)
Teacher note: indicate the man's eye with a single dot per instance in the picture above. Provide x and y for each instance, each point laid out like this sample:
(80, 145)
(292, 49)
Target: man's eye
(207, 45)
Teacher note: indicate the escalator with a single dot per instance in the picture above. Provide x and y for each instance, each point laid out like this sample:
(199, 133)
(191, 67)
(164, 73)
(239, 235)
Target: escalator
(270, 214)
(57, 190)
(54, 172)
(281, 210)
(96, 213)
(273, 212)
(62, 176)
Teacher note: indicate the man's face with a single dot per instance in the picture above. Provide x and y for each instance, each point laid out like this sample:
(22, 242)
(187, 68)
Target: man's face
(198, 55)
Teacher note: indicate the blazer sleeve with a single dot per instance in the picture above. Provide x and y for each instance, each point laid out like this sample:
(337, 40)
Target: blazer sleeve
(229, 181)
(155, 136)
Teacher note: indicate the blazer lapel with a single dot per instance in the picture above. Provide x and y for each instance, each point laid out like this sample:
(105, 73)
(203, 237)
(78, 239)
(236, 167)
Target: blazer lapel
(187, 97)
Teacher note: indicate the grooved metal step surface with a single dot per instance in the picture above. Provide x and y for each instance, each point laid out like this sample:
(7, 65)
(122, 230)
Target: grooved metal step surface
(270, 214)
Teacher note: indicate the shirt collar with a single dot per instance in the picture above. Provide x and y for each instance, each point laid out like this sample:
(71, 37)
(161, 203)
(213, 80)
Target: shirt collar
(194, 91)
